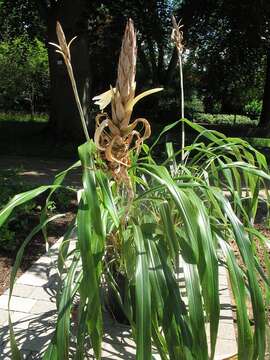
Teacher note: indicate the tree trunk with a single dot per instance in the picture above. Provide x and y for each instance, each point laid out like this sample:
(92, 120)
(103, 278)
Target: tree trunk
(265, 114)
(64, 121)
(171, 68)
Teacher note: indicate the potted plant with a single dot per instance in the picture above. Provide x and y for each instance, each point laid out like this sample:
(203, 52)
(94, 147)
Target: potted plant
(137, 216)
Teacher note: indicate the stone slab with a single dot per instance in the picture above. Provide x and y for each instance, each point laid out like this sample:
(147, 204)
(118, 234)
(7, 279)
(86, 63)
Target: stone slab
(42, 306)
(17, 303)
(21, 290)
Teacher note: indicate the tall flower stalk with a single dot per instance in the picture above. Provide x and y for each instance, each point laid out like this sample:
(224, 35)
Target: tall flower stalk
(177, 38)
(64, 49)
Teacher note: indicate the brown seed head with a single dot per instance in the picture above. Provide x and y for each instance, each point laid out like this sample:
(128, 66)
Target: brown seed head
(177, 35)
(62, 41)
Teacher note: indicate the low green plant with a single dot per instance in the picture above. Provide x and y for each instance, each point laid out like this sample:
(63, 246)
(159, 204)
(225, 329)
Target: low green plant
(143, 223)
(254, 108)
(25, 215)
(8, 239)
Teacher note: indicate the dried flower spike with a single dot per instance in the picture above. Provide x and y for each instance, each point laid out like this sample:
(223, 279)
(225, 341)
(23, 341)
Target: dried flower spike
(177, 35)
(116, 136)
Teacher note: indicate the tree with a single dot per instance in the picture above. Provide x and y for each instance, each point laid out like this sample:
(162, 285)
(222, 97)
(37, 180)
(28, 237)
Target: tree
(24, 77)
(99, 28)
(230, 46)
(20, 18)
(152, 19)
(38, 19)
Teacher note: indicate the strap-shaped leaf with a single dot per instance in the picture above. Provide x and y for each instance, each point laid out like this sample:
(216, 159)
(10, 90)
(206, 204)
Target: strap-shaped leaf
(143, 299)
(245, 343)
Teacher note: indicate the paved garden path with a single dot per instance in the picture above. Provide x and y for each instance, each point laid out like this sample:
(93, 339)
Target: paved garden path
(33, 313)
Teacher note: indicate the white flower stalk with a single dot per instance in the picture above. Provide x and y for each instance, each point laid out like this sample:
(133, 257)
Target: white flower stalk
(177, 38)
(64, 49)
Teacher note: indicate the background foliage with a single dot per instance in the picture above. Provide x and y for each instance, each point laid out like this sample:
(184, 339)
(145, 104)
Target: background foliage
(24, 75)
(225, 59)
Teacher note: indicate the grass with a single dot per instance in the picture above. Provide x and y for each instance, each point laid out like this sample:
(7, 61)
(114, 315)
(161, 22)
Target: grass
(224, 119)
(23, 117)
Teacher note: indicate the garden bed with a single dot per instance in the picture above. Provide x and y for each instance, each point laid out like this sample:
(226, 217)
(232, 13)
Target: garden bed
(24, 219)
(33, 251)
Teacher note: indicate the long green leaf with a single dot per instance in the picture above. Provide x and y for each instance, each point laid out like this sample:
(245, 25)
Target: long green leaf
(20, 199)
(195, 310)
(245, 248)
(245, 344)
(143, 300)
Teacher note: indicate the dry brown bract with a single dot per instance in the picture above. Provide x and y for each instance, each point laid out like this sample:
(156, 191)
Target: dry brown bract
(177, 35)
(115, 137)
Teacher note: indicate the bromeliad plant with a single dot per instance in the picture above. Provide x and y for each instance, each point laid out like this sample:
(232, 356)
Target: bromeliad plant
(136, 217)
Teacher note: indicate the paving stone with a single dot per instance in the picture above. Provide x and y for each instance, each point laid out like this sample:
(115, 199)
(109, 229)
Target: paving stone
(43, 293)
(225, 349)
(22, 320)
(21, 290)
(42, 306)
(36, 341)
(17, 303)
(4, 335)
(34, 356)
(29, 341)
(33, 279)
(3, 317)
(47, 261)
(226, 331)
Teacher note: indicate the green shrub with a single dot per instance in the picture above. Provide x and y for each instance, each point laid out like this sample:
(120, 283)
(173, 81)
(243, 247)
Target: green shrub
(254, 108)
(178, 210)
(195, 105)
